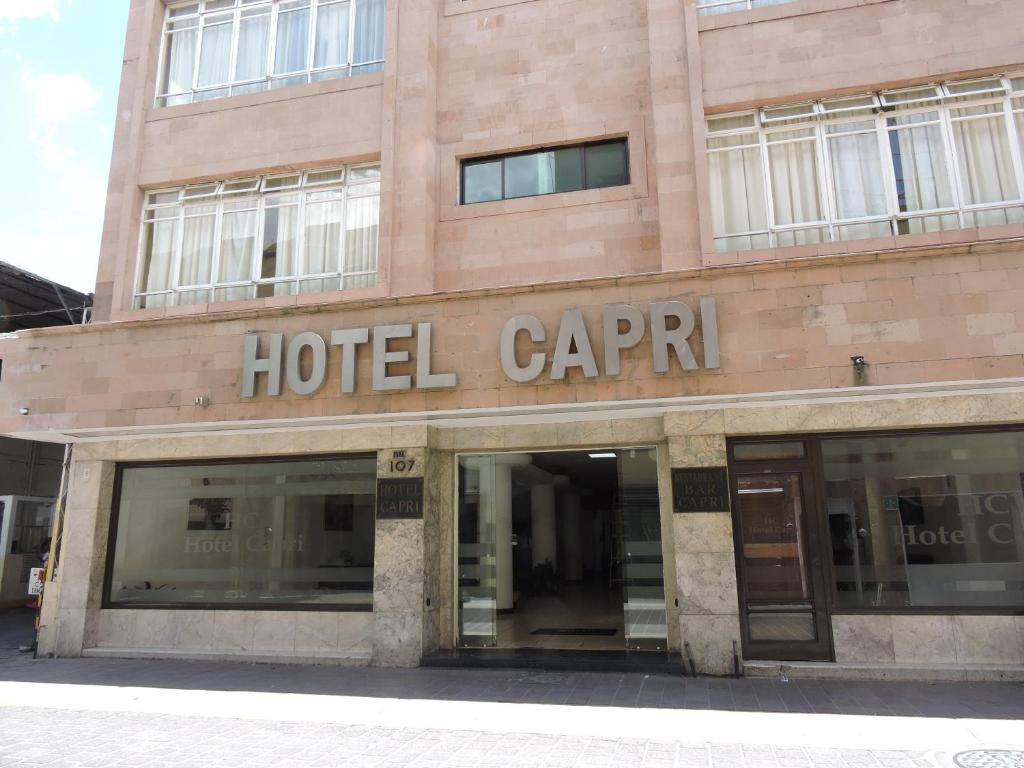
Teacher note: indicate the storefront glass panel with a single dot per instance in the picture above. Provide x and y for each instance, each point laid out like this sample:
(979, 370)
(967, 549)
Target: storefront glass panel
(927, 520)
(561, 550)
(276, 533)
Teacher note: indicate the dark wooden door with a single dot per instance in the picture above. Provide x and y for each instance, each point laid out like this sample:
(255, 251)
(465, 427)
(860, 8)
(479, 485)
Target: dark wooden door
(783, 605)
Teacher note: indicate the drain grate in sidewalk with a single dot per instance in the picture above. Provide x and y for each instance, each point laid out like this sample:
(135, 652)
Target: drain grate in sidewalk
(990, 758)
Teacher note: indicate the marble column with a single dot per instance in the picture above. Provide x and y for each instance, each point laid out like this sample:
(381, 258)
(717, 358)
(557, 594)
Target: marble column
(706, 587)
(401, 628)
(71, 619)
(544, 543)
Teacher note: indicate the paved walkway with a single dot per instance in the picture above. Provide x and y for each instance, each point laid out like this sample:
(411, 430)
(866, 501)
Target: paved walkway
(85, 712)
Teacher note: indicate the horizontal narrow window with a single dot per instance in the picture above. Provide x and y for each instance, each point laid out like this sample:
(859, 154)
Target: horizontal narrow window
(546, 171)
(282, 533)
(248, 238)
(910, 161)
(218, 48)
(714, 7)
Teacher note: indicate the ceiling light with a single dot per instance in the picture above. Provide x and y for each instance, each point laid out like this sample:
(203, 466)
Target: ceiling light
(602, 455)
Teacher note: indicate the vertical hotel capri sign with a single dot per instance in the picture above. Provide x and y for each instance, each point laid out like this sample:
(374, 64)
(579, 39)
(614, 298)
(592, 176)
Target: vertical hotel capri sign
(667, 328)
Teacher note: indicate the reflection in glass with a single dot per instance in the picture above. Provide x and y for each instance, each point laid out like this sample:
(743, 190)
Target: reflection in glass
(927, 520)
(291, 532)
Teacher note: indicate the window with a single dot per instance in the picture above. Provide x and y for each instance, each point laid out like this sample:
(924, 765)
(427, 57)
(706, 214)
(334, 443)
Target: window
(927, 521)
(715, 7)
(545, 171)
(269, 236)
(274, 533)
(217, 48)
(910, 161)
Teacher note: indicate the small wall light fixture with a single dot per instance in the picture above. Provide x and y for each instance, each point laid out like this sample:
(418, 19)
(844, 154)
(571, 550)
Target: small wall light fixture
(23, 411)
(202, 401)
(860, 365)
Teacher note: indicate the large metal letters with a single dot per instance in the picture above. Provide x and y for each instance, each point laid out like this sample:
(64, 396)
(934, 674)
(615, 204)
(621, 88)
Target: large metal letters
(306, 356)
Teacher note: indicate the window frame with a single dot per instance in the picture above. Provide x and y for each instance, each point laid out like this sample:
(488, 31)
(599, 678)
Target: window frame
(708, 7)
(258, 195)
(468, 162)
(115, 512)
(270, 80)
(943, 104)
(813, 457)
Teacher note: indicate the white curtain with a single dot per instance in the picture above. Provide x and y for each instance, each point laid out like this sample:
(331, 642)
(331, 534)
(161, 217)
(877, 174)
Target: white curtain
(292, 41)
(280, 227)
(921, 168)
(253, 39)
(794, 175)
(857, 175)
(986, 162)
(197, 250)
(331, 35)
(796, 193)
(162, 238)
(361, 223)
(237, 243)
(369, 36)
(181, 61)
(323, 237)
(737, 194)
(215, 57)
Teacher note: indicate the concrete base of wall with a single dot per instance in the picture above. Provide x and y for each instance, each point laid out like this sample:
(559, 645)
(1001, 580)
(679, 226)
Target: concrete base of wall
(943, 673)
(355, 659)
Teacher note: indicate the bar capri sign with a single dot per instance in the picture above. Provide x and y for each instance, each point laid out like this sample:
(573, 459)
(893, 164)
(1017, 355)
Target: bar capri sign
(667, 327)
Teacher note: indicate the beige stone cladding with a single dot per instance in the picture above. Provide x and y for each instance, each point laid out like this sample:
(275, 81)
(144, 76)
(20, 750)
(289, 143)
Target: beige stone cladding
(949, 315)
(414, 607)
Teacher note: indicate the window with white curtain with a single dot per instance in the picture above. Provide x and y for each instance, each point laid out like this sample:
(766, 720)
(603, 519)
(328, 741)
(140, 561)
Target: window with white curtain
(217, 48)
(915, 160)
(714, 7)
(269, 236)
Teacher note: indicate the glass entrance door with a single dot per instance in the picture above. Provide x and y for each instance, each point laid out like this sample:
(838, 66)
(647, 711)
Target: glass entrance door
(784, 615)
(560, 550)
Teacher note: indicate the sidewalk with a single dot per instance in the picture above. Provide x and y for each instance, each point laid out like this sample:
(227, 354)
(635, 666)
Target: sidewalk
(157, 713)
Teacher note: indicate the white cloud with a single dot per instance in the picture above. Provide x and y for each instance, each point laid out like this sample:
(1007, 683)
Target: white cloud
(67, 142)
(11, 10)
(67, 259)
(59, 98)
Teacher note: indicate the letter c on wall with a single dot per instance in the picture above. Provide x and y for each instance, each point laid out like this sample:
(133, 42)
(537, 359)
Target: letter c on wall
(509, 364)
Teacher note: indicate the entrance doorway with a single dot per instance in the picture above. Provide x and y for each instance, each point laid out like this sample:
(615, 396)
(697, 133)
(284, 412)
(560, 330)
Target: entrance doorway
(784, 612)
(561, 550)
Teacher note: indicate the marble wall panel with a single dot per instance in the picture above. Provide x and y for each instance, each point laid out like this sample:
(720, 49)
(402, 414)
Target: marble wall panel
(988, 640)
(697, 451)
(707, 583)
(703, 532)
(924, 639)
(864, 639)
(397, 638)
(712, 641)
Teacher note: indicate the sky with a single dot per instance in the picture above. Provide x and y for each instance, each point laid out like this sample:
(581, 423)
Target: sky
(60, 68)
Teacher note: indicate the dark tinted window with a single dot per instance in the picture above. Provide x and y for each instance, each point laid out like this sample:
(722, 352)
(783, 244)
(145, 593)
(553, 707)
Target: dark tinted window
(544, 171)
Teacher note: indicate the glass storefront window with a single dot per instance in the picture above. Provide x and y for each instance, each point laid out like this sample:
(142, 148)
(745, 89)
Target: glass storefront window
(928, 520)
(274, 533)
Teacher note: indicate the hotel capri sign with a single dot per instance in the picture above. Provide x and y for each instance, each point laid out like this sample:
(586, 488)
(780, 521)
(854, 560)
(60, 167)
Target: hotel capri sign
(667, 328)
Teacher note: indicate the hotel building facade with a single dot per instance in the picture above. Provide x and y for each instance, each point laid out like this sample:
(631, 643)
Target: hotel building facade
(428, 331)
